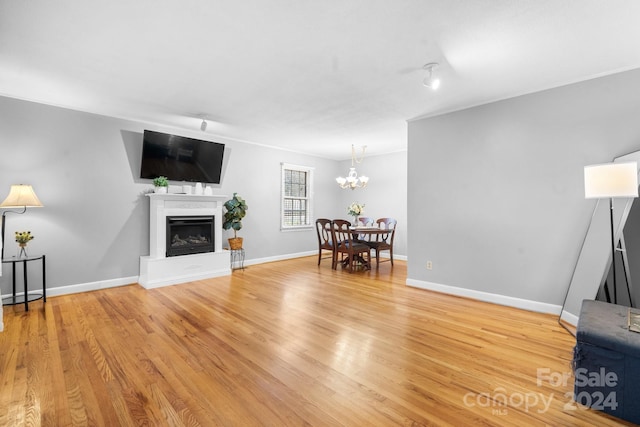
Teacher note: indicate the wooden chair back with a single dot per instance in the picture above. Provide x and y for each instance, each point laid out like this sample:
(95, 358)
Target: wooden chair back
(324, 229)
(387, 224)
(365, 221)
(384, 241)
(351, 250)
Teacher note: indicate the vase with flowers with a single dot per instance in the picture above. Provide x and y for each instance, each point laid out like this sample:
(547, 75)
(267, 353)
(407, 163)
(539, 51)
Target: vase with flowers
(355, 209)
(23, 237)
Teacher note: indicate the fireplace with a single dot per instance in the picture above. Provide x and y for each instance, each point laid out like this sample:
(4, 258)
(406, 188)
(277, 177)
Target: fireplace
(199, 218)
(188, 235)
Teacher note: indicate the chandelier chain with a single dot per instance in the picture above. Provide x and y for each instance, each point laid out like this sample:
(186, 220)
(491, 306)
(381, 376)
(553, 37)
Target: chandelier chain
(354, 158)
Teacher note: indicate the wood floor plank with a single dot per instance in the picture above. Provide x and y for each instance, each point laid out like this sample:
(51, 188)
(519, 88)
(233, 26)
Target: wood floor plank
(286, 343)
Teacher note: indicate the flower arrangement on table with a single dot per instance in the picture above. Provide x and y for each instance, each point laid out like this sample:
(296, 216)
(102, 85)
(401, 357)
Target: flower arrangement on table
(354, 210)
(23, 237)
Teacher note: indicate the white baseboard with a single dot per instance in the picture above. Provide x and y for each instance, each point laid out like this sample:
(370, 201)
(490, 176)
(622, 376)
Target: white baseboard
(91, 286)
(569, 318)
(256, 261)
(523, 304)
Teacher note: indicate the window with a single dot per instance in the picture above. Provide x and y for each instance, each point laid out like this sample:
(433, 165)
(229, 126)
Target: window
(296, 210)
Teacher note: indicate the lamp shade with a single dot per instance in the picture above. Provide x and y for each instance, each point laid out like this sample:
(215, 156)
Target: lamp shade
(21, 195)
(611, 180)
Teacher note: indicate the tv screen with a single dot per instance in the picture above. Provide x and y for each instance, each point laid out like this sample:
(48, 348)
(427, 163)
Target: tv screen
(180, 158)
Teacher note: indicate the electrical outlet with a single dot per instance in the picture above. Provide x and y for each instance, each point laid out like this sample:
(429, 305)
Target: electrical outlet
(429, 265)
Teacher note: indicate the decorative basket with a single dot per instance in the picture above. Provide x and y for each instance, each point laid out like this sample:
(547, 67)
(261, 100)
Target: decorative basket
(235, 243)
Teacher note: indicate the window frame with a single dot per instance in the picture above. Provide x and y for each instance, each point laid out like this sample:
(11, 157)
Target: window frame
(309, 198)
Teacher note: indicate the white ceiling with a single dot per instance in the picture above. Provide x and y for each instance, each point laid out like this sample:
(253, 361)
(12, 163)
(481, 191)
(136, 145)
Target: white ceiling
(310, 76)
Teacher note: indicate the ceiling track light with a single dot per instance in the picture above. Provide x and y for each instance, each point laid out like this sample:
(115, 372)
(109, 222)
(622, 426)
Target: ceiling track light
(430, 80)
(203, 125)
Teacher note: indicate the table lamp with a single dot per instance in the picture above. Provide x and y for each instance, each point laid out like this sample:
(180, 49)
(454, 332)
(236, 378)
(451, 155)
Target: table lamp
(611, 180)
(20, 196)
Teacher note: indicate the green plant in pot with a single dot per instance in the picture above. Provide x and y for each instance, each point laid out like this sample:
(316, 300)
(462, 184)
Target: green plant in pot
(236, 210)
(161, 184)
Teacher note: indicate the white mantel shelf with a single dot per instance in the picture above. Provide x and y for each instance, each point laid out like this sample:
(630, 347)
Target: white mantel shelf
(183, 196)
(157, 269)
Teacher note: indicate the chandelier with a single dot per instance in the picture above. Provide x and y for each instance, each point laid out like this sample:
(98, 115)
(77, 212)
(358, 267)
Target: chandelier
(352, 180)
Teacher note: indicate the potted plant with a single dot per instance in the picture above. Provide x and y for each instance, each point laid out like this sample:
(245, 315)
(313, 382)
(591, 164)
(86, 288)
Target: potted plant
(236, 210)
(161, 184)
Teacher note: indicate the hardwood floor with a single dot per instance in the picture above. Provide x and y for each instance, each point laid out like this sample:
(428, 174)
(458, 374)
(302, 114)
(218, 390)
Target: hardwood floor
(285, 344)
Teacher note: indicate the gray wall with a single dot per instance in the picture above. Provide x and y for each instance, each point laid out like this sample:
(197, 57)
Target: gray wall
(496, 195)
(94, 223)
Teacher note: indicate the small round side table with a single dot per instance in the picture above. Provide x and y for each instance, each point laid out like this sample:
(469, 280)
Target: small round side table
(27, 296)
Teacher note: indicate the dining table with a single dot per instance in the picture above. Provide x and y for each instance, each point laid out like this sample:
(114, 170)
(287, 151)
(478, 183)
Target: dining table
(365, 234)
(368, 232)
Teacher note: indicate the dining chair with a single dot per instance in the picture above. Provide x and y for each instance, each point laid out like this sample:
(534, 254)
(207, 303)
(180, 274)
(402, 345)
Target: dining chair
(348, 249)
(365, 221)
(324, 228)
(384, 241)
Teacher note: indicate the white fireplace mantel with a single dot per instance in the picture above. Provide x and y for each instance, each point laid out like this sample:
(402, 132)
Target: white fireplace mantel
(159, 270)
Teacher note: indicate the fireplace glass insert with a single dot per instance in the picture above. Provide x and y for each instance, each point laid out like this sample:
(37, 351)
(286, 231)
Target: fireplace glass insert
(188, 235)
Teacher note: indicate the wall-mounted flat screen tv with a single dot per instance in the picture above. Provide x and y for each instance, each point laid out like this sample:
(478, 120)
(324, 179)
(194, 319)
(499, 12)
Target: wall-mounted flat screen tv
(180, 158)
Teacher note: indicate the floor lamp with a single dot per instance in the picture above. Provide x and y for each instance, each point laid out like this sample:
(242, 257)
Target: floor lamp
(611, 180)
(20, 196)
